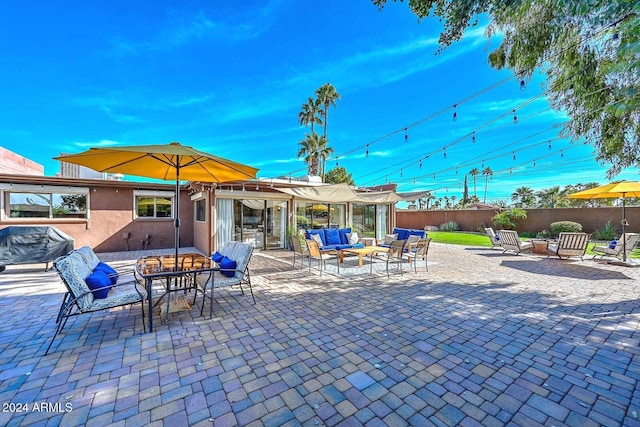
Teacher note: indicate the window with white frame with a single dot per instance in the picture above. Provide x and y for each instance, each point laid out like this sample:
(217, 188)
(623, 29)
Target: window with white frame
(25, 201)
(158, 204)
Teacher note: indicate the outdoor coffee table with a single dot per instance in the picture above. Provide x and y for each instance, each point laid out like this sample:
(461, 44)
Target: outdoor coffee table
(367, 250)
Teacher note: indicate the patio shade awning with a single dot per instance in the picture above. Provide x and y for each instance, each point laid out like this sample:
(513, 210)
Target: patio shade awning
(342, 193)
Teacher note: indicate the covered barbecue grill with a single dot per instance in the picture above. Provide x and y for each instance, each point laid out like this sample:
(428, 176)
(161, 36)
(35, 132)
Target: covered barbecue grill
(32, 244)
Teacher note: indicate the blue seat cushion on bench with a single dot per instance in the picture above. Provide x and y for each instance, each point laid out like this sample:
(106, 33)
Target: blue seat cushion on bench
(421, 233)
(318, 232)
(332, 236)
(403, 233)
(343, 235)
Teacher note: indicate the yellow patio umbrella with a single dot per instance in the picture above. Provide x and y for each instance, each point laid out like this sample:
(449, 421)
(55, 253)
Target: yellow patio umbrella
(621, 189)
(172, 161)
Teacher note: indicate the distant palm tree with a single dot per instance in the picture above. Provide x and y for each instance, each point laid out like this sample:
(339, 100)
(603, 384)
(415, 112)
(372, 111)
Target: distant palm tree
(309, 113)
(487, 172)
(310, 148)
(524, 195)
(327, 96)
(474, 172)
(453, 201)
(552, 197)
(324, 151)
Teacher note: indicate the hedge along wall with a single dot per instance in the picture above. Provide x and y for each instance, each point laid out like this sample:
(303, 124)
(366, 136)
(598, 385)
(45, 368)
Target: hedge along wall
(592, 219)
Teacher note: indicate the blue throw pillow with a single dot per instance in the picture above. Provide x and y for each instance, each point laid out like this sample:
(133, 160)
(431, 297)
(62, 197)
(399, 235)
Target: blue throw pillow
(217, 257)
(332, 236)
(343, 235)
(228, 267)
(98, 279)
(108, 270)
(612, 244)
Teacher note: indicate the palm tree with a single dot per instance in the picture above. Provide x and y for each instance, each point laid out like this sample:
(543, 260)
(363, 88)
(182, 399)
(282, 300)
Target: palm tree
(487, 172)
(524, 195)
(310, 147)
(474, 172)
(324, 151)
(552, 197)
(309, 113)
(453, 201)
(327, 96)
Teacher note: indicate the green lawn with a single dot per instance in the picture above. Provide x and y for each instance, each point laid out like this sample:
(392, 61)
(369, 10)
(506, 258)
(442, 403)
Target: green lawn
(479, 239)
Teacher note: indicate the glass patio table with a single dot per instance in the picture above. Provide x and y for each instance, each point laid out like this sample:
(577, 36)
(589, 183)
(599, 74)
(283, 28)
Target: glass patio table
(176, 275)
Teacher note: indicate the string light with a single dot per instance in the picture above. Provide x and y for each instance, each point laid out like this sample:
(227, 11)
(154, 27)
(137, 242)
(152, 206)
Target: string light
(400, 172)
(444, 152)
(561, 153)
(523, 85)
(514, 155)
(549, 144)
(515, 118)
(534, 162)
(420, 164)
(455, 112)
(406, 135)
(367, 153)
(473, 137)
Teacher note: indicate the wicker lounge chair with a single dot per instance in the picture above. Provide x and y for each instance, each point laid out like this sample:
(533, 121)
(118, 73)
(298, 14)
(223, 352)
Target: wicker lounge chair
(569, 244)
(241, 254)
(75, 270)
(510, 241)
(628, 241)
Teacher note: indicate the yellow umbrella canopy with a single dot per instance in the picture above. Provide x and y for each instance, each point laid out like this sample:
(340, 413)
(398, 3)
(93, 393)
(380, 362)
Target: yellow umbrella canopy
(610, 191)
(622, 189)
(172, 161)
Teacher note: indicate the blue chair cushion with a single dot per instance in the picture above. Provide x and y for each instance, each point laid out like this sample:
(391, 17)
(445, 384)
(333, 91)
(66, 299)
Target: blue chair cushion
(98, 279)
(318, 232)
(343, 235)
(228, 267)
(403, 233)
(109, 271)
(420, 233)
(217, 257)
(332, 236)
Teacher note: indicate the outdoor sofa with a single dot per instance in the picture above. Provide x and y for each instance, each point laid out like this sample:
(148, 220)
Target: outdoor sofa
(333, 238)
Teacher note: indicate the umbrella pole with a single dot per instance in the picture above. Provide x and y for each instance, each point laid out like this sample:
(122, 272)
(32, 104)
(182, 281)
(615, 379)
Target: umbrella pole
(177, 219)
(624, 223)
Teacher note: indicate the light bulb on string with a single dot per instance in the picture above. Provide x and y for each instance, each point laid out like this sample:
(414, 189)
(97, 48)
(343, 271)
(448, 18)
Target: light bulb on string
(434, 176)
(420, 164)
(523, 85)
(515, 118)
(561, 153)
(414, 180)
(534, 162)
(406, 135)
(483, 164)
(473, 137)
(549, 144)
(444, 152)
(455, 112)
(401, 173)
(510, 171)
(456, 171)
(514, 155)
(366, 154)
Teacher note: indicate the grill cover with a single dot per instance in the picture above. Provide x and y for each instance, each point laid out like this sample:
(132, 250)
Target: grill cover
(32, 244)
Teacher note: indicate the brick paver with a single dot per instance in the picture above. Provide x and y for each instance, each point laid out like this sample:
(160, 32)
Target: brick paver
(482, 338)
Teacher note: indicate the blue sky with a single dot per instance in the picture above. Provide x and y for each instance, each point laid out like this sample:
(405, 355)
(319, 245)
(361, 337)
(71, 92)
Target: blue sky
(229, 78)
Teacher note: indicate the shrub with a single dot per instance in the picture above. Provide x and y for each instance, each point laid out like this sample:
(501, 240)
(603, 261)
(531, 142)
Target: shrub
(449, 226)
(527, 234)
(608, 233)
(565, 227)
(508, 219)
(544, 234)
